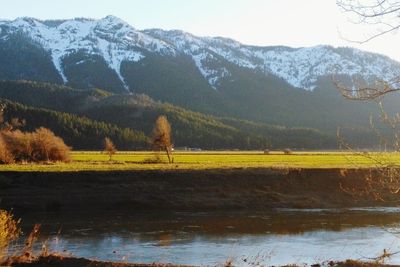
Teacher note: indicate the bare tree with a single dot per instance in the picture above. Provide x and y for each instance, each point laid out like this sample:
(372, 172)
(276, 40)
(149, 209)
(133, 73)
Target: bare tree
(109, 147)
(383, 17)
(162, 136)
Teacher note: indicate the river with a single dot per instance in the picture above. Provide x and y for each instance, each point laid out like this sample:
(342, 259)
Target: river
(285, 236)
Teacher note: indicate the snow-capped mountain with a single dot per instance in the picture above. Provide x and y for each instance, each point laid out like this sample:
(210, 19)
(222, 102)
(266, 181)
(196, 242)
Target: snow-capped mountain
(116, 43)
(300, 67)
(110, 37)
(212, 75)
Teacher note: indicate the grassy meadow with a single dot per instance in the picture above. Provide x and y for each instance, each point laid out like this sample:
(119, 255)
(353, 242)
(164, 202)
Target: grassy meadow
(129, 160)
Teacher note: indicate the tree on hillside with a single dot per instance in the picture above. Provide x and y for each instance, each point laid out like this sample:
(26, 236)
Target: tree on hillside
(109, 147)
(162, 136)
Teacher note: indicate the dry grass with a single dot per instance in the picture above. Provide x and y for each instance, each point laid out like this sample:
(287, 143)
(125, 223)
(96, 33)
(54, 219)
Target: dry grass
(26, 254)
(9, 231)
(142, 160)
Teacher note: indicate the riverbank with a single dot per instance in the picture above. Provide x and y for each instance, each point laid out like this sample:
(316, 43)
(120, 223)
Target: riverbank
(250, 189)
(58, 261)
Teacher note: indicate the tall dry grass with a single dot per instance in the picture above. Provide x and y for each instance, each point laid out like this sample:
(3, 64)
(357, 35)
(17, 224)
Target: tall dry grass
(9, 231)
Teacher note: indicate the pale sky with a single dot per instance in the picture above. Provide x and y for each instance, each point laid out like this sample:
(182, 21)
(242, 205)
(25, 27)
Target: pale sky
(293, 23)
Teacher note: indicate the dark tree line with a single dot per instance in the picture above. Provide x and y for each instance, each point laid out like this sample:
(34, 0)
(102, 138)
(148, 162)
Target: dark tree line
(80, 115)
(78, 132)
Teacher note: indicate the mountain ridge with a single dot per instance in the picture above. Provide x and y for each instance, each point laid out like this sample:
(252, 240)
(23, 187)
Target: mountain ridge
(116, 41)
(215, 76)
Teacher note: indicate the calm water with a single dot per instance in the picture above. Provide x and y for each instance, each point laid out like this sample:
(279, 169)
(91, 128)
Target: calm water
(276, 238)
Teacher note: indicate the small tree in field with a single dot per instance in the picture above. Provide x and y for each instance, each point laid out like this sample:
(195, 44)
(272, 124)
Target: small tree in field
(162, 136)
(109, 147)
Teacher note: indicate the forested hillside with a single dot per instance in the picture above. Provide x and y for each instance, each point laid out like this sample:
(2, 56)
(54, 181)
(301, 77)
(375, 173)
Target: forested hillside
(80, 115)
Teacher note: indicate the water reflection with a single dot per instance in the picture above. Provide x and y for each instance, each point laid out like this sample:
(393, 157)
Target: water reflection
(274, 238)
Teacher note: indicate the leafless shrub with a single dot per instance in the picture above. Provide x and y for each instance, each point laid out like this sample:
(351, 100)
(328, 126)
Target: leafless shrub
(109, 147)
(46, 146)
(41, 145)
(156, 158)
(18, 144)
(5, 155)
(287, 151)
(162, 136)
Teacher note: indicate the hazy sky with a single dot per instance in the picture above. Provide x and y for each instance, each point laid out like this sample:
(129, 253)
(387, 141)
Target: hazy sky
(258, 22)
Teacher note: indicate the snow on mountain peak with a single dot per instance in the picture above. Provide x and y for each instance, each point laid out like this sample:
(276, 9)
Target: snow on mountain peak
(300, 67)
(109, 37)
(113, 20)
(117, 41)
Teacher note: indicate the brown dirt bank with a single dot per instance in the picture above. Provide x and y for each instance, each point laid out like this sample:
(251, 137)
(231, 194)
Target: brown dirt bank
(191, 190)
(58, 261)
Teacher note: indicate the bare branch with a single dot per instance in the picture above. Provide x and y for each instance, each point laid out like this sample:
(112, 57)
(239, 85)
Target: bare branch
(383, 14)
(359, 92)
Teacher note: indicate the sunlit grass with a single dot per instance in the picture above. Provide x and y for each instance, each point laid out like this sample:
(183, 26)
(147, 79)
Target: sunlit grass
(97, 161)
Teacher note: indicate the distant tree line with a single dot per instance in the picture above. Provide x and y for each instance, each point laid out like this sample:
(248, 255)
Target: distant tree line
(85, 117)
(77, 132)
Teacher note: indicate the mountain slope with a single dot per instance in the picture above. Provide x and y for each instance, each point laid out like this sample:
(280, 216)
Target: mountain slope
(218, 76)
(300, 67)
(139, 112)
(110, 37)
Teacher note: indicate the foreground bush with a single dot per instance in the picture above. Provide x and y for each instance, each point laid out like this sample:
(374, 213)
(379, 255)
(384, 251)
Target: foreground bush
(9, 231)
(38, 146)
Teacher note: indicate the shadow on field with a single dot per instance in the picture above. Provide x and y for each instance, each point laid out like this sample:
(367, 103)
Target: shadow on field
(251, 189)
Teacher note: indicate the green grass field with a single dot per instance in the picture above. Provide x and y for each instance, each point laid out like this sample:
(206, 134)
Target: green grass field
(97, 161)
